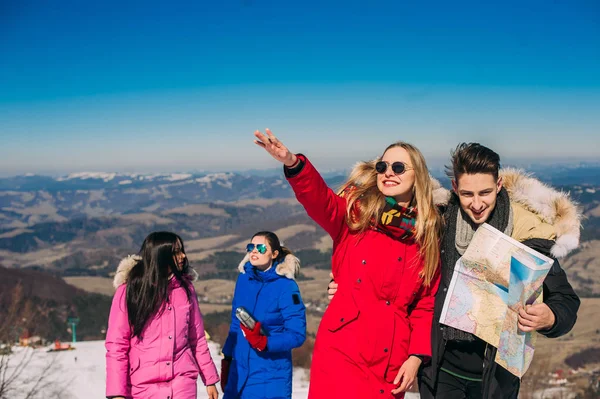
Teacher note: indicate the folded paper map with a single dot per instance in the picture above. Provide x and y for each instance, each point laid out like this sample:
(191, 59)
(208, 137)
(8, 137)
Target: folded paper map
(494, 278)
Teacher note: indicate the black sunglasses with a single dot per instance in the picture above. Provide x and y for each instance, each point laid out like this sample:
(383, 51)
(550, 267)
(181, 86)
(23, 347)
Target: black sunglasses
(397, 167)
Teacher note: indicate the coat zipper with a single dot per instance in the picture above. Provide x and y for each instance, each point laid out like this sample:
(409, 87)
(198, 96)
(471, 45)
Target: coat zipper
(256, 302)
(485, 354)
(253, 311)
(484, 385)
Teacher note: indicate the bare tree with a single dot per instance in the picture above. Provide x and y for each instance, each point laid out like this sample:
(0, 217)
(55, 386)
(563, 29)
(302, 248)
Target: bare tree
(19, 376)
(18, 381)
(12, 303)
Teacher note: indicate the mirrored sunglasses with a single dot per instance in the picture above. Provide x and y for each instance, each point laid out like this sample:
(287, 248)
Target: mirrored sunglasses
(261, 248)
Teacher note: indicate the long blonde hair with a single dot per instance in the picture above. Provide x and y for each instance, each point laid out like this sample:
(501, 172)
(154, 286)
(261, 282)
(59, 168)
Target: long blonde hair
(365, 203)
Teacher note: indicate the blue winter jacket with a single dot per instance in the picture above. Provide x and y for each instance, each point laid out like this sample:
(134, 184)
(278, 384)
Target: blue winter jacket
(273, 298)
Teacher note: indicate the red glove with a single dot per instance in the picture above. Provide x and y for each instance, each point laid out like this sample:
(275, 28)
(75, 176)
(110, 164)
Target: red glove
(254, 337)
(225, 363)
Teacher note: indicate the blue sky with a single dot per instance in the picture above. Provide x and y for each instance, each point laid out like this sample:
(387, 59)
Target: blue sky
(151, 86)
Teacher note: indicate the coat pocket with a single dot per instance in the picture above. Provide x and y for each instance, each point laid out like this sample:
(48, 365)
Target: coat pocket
(341, 313)
(134, 366)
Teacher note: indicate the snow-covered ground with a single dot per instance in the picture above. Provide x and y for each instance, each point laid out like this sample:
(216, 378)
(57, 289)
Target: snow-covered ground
(80, 373)
(555, 393)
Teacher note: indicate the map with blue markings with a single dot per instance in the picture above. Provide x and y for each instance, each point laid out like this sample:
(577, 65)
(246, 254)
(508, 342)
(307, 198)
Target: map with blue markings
(495, 277)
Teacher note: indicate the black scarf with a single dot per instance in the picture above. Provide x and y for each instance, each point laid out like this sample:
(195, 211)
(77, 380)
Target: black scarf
(500, 219)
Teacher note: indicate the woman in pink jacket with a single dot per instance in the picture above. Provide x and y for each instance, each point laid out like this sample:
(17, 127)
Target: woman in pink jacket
(155, 343)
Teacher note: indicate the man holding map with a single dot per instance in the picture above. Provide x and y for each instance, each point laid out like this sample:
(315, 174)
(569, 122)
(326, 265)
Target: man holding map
(509, 272)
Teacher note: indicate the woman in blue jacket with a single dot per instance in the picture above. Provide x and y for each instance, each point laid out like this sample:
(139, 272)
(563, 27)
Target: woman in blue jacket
(257, 365)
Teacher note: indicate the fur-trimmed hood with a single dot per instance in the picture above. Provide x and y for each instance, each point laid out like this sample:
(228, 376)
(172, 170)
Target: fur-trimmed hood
(124, 268)
(554, 207)
(128, 262)
(441, 195)
(289, 267)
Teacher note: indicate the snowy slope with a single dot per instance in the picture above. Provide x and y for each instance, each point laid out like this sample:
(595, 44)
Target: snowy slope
(81, 372)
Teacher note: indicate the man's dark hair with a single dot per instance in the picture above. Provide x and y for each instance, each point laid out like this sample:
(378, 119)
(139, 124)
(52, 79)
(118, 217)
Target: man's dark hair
(472, 158)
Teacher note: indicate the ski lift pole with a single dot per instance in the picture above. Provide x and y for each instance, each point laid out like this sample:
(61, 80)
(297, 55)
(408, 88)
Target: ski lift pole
(73, 321)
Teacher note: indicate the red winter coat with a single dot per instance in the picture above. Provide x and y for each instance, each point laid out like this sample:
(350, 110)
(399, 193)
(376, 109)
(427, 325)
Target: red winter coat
(381, 313)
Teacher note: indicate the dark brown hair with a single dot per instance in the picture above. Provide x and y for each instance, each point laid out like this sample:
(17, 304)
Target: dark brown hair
(275, 244)
(473, 158)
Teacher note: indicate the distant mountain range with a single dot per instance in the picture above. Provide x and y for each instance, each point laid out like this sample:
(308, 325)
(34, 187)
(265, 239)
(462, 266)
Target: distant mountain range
(558, 174)
(584, 173)
(105, 180)
(82, 223)
(29, 200)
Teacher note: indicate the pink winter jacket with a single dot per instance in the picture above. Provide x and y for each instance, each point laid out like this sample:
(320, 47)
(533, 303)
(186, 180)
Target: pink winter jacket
(173, 351)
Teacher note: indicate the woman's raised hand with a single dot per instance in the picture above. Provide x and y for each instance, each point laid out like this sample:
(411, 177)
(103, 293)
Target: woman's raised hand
(275, 147)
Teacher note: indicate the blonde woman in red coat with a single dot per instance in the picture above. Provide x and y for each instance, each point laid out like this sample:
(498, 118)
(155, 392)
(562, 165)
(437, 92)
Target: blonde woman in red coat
(385, 229)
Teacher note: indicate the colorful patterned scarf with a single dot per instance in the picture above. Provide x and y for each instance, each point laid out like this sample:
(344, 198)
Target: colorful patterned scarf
(396, 221)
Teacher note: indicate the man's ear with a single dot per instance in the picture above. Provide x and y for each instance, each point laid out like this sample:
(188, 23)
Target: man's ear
(455, 186)
(499, 185)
